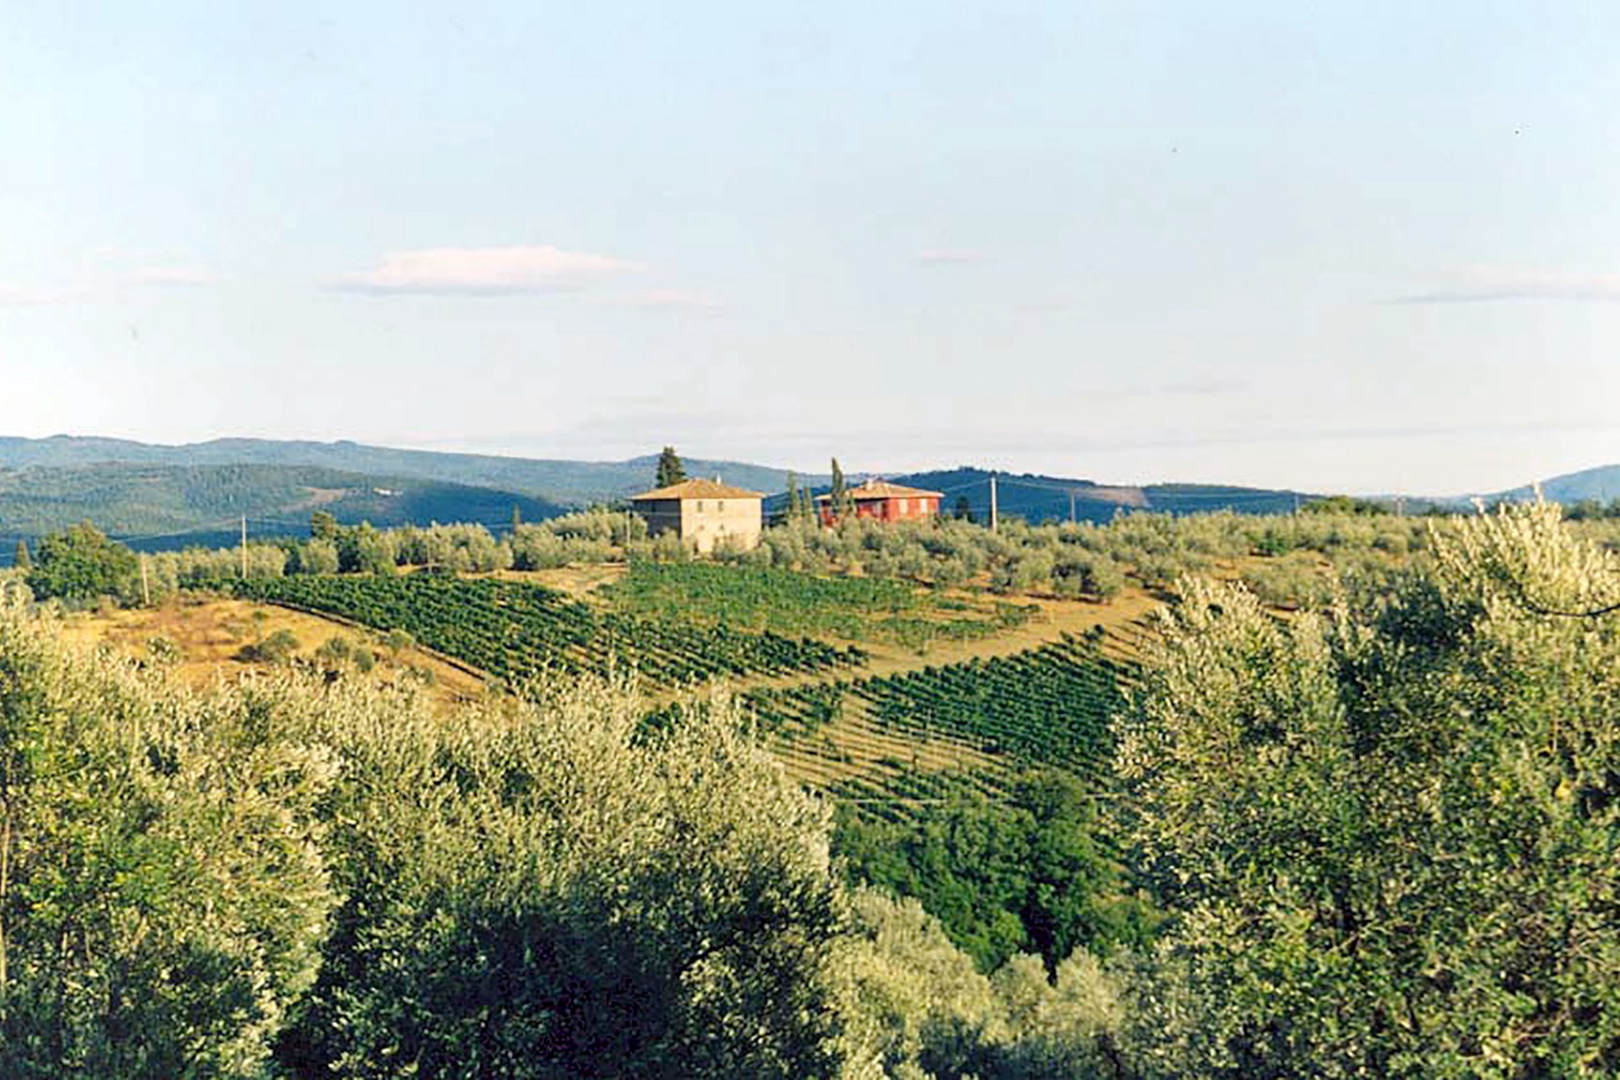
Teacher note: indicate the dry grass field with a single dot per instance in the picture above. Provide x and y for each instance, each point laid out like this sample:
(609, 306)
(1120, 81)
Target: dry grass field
(209, 634)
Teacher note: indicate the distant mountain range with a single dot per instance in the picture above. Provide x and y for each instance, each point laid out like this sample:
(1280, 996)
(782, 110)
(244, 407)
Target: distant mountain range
(166, 506)
(1601, 484)
(170, 496)
(1038, 498)
(575, 483)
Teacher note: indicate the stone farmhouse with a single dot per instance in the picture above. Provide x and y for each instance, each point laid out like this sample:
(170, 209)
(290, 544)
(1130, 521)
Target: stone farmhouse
(886, 502)
(703, 513)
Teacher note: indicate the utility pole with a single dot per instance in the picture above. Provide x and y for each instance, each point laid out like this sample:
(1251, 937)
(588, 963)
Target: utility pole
(994, 521)
(244, 547)
(146, 590)
(1400, 506)
(1071, 506)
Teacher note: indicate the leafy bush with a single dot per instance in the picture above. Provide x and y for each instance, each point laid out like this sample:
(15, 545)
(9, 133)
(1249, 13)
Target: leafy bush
(555, 893)
(81, 564)
(1387, 838)
(164, 896)
(278, 648)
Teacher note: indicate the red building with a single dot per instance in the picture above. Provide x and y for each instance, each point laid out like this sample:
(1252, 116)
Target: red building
(886, 502)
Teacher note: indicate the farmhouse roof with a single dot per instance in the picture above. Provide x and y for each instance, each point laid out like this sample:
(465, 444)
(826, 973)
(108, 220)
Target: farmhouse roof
(697, 489)
(882, 489)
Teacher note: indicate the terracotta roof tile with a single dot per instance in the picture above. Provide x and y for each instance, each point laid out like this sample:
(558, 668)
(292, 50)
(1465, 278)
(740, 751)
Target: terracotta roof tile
(882, 489)
(697, 489)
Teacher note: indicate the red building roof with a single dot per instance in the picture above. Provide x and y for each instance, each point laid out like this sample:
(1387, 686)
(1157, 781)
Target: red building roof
(882, 489)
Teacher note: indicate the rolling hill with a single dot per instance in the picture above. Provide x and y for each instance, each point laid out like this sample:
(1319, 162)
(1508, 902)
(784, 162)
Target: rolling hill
(167, 506)
(1601, 484)
(576, 483)
(1038, 498)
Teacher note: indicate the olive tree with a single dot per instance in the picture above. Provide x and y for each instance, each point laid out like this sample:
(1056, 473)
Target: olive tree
(545, 889)
(162, 894)
(1387, 831)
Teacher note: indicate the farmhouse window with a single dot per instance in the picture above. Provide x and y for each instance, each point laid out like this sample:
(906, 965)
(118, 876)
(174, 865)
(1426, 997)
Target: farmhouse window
(905, 506)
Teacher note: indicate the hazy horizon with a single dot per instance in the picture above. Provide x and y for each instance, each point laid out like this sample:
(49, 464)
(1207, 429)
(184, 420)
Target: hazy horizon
(1362, 249)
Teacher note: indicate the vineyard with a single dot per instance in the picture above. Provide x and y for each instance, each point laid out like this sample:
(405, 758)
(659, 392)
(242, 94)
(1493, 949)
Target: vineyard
(874, 741)
(773, 600)
(1046, 706)
(515, 630)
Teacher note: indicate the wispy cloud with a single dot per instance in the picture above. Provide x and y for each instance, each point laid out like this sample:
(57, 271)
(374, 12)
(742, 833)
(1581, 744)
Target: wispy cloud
(953, 255)
(1487, 284)
(499, 271)
(173, 276)
(670, 298)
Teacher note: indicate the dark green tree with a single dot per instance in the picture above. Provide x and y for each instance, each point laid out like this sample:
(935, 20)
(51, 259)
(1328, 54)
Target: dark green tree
(81, 563)
(795, 506)
(964, 509)
(839, 493)
(23, 560)
(361, 549)
(670, 469)
(1028, 874)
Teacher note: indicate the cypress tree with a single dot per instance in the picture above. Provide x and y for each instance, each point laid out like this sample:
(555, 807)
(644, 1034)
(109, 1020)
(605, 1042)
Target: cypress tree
(23, 561)
(840, 494)
(794, 507)
(670, 469)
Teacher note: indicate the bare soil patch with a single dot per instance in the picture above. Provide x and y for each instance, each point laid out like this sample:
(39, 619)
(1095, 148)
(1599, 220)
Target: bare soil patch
(209, 633)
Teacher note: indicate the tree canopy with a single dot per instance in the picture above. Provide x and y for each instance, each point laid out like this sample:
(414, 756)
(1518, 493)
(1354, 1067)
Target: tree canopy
(670, 469)
(81, 563)
(1387, 833)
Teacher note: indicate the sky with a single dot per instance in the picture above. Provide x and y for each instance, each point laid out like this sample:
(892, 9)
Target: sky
(1362, 247)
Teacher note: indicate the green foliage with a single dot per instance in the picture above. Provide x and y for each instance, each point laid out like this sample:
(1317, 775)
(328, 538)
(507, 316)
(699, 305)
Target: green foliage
(336, 650)
(670, 469)
(539, 889)
(22, 560)
(278, 648)
(1295, 580)
(516, 631)
(1049, 705)
(1024, 872)
(1593, 510)
(839, 502)
(361, 549)
(1387, 834)
(763, 598)
(318, 556)
(163, 897)
(80, 563)
(1344, 504)
(164, 651)
(553, 893)
(197, 568)
(915, 1007)
(793, 506)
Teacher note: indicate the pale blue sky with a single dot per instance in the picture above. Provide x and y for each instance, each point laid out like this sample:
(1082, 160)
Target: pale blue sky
(1338, 246)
